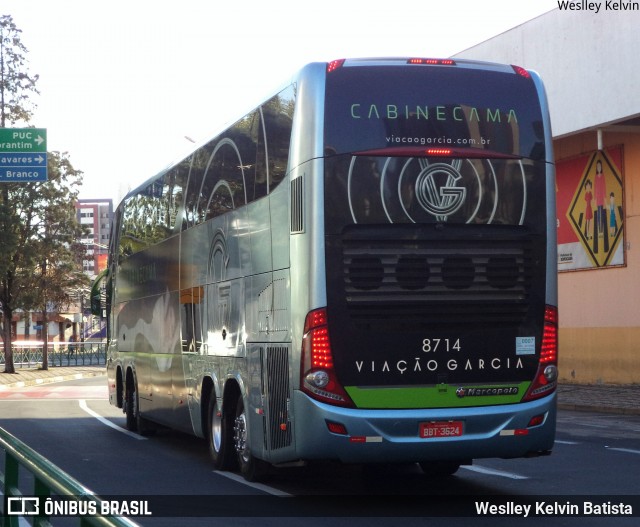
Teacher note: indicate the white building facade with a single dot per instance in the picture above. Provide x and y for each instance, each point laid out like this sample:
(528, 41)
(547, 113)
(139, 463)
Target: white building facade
(590, 64)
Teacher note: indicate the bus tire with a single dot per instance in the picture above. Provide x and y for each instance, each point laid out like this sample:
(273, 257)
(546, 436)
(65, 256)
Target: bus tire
(220, 436)
(251, 468)
(130, 403)
(135, 422)
(439, 468)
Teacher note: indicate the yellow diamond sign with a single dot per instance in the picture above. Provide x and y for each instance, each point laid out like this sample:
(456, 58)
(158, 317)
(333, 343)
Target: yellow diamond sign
(596, 211)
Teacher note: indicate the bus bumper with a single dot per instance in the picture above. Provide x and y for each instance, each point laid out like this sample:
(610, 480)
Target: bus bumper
(394, 435)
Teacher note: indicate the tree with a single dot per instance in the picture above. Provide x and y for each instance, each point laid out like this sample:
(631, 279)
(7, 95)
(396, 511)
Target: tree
(39, 260)
(16, 85)
(42, 266)
(56, 256)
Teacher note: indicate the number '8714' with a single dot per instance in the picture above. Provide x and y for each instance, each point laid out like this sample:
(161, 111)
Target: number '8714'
(433, 345)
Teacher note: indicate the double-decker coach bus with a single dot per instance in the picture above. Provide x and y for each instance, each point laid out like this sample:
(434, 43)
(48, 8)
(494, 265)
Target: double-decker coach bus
(363, 268)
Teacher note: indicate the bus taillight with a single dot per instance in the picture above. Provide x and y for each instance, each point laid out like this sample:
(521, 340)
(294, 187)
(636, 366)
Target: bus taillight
(334, 65)
(439, 152)
(521, 71)
(317, 374)
(432, 62)
(545, 381)
(549, 351)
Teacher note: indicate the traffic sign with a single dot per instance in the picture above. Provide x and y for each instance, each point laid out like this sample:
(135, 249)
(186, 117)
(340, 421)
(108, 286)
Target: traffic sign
(23, 155)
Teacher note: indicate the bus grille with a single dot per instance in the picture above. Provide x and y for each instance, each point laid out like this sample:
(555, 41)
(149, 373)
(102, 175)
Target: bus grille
(277, 380)
(434, 283)
(297, 206)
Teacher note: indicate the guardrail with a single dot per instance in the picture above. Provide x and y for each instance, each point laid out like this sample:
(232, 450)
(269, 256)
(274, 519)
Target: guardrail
(27, 354)
(48, 482)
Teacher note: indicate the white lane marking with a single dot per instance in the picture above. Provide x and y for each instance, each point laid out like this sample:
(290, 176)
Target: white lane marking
(560, 442)
(258, 486)
(593, 425)
(492, 472)
(627, 450)
(83, 405)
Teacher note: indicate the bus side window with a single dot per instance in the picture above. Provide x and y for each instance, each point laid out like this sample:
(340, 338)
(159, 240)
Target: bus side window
(278, 121)
(196, 173)
(258, 188)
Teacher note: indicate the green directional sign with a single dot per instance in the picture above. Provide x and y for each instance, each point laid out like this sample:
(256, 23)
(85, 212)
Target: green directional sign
(23, 155)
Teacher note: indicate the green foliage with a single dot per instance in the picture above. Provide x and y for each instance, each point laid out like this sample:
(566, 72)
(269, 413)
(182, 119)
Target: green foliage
(16, 85)
(40, 260)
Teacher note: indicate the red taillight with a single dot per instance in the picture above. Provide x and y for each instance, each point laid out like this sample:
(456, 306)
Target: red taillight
(439, 152)
(549, 350)
(337, 428)
(317, 375)
(315, 319)
(546, 378)
(432, 62)
(536, 420)
(521, 71)
(320, 349)
(334, 65)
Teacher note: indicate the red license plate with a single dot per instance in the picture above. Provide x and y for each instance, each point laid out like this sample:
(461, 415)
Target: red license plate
(441, 429)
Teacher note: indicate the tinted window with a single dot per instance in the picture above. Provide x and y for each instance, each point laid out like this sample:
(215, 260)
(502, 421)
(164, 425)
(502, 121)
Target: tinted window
(380, 121)
(368, 108)
(278, 118)
(242, 164)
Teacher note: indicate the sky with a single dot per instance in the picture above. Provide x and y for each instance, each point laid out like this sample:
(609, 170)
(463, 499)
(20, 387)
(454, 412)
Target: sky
(127, 85)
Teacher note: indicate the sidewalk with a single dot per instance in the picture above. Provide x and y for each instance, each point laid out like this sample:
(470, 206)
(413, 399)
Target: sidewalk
(33, 376)
(607, 398)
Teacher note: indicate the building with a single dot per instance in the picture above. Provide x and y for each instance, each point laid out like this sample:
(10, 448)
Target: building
(96, 215)
(77, 324)
(589, 64)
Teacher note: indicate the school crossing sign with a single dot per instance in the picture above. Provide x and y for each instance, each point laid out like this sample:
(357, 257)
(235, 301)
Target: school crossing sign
(23, 155)
(590, 190)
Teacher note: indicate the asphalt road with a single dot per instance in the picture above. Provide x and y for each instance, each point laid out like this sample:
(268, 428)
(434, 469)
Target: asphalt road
(596, 458)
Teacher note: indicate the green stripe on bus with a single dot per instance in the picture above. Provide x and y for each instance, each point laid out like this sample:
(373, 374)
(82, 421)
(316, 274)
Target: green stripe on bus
(442, 396)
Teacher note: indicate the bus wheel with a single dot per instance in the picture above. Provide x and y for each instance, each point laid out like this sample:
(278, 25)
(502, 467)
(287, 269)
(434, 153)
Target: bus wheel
(439, 468)
(131, 406)
(251, 468)
(135, 422)
(220, 437)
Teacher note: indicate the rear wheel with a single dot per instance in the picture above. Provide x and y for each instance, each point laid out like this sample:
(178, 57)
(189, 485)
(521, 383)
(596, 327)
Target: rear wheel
(251, 468)
(135, 422)
(220, 436)
(131, 405)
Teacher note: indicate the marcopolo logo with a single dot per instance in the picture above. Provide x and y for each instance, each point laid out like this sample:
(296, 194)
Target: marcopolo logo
(486, 391)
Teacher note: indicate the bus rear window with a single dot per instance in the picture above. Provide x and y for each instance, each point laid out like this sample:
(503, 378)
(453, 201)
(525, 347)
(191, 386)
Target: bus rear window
(456, 107)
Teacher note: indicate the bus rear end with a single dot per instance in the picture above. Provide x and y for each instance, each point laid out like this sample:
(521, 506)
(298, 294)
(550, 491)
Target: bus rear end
(438, 341)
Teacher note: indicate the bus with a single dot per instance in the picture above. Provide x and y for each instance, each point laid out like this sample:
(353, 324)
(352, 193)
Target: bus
(361, 269)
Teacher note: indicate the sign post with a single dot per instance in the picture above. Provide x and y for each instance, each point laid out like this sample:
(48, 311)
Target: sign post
(23, 155)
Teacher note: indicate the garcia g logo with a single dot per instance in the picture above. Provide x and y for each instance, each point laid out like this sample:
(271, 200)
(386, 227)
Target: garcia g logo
(441, 200)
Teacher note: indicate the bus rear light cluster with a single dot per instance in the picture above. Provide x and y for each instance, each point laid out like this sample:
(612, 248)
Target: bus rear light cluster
(545, 381)
(521, 71)
(439, 152)
(317, 376)
(432, 62)
(334, 65)
(549, 351)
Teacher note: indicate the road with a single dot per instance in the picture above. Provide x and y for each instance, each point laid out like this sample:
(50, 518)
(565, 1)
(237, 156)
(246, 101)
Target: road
(596, 458)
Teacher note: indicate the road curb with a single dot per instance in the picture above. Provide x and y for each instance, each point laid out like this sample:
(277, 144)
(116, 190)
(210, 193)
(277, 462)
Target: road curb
(48, 380)
(597, 408)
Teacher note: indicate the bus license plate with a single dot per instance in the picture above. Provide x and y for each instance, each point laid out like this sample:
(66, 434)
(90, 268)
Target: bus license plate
(441, 429)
